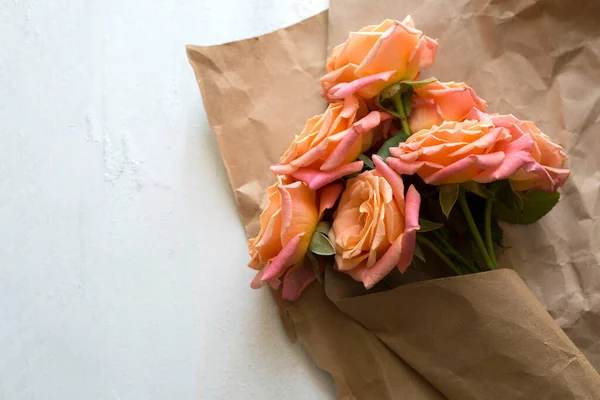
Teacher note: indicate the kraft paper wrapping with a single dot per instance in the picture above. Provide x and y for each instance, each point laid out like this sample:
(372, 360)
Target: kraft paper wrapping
(483, 336)
(539, 60)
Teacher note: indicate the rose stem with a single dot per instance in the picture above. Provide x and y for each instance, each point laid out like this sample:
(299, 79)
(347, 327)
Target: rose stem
(488, 229)
(397, 99)
(462, 200)
(429, 244)
(472, 269)
(386, 283)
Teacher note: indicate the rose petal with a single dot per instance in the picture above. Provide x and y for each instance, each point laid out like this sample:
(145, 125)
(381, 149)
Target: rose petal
(311, 155)
(411, 226)
(258, 281)
(286, 169)
(342, 90)
(393, 179)
(278, 264)
(328, 195)
(354, 133)
(485, 161)
(517, 154)
(317, 179)
(296, 281)
(427, 51)
(409, 167)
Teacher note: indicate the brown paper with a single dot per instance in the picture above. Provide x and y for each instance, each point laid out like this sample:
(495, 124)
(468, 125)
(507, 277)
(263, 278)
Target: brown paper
(244, 85)
(539, 60)
(483, 336)
(519, 60)
(361, 365)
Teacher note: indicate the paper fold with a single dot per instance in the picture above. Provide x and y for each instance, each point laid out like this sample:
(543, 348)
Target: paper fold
(480, 336)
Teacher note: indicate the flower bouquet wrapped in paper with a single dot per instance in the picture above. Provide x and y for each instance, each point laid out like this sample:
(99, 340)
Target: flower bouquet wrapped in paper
(380, 234)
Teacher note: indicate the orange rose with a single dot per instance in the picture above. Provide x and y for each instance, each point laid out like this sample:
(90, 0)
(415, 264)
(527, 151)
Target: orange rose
(374, 227)
(484, 148)
(456, 152)
(286, 226)
(547, 173)
(327, 148)
(375, 57)
(442, 101)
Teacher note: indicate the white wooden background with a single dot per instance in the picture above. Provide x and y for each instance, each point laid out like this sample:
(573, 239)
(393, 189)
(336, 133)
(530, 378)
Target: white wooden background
(122, 260)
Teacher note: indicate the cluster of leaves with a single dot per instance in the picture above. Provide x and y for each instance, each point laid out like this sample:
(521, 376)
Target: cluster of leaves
(452, 234)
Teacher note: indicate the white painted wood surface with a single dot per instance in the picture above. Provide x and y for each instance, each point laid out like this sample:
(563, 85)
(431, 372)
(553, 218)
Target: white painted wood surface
(122, 260)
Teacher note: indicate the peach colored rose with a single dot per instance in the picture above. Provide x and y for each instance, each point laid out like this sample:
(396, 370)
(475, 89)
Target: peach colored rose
(547, 173)
(374, 227)
(286, 226)
(327, 148)
(442, 101)
(375, 57)
(456, 152)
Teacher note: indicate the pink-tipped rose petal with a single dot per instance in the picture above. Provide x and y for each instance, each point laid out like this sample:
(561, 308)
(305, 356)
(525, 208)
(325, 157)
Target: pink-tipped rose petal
(286, 169)
(516, 155)
(485, 161)
(295, 281)
(317, 179)
(278, 265)
(342, 90)
(393, 179)
(359, 128)
(409, 168)
(328, 195)
(259, 282)
(411, 226)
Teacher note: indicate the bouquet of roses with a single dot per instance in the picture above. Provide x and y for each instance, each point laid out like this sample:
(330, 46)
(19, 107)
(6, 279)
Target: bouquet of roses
(399, 168)
(404, 179)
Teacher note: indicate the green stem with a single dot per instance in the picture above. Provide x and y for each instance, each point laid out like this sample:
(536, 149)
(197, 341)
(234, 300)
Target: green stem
(429, 244)
(448, 247)
(488, 229)
(397, 99)
(386, 283)
(462, 200)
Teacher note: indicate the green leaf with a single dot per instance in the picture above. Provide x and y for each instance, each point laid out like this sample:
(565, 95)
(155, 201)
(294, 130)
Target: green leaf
(399, 91)
(367, 160)
(497, 233)
(535, 206)
(428, 226)
(323, 227)
(403, 86)
(316, 266)
(320, 244)
(419, 253)
(391, 111)
(477, 257)
(394, 141)
(389, 91)
(419, 83)
(505, 194)
(448, 196)
(479, 189)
